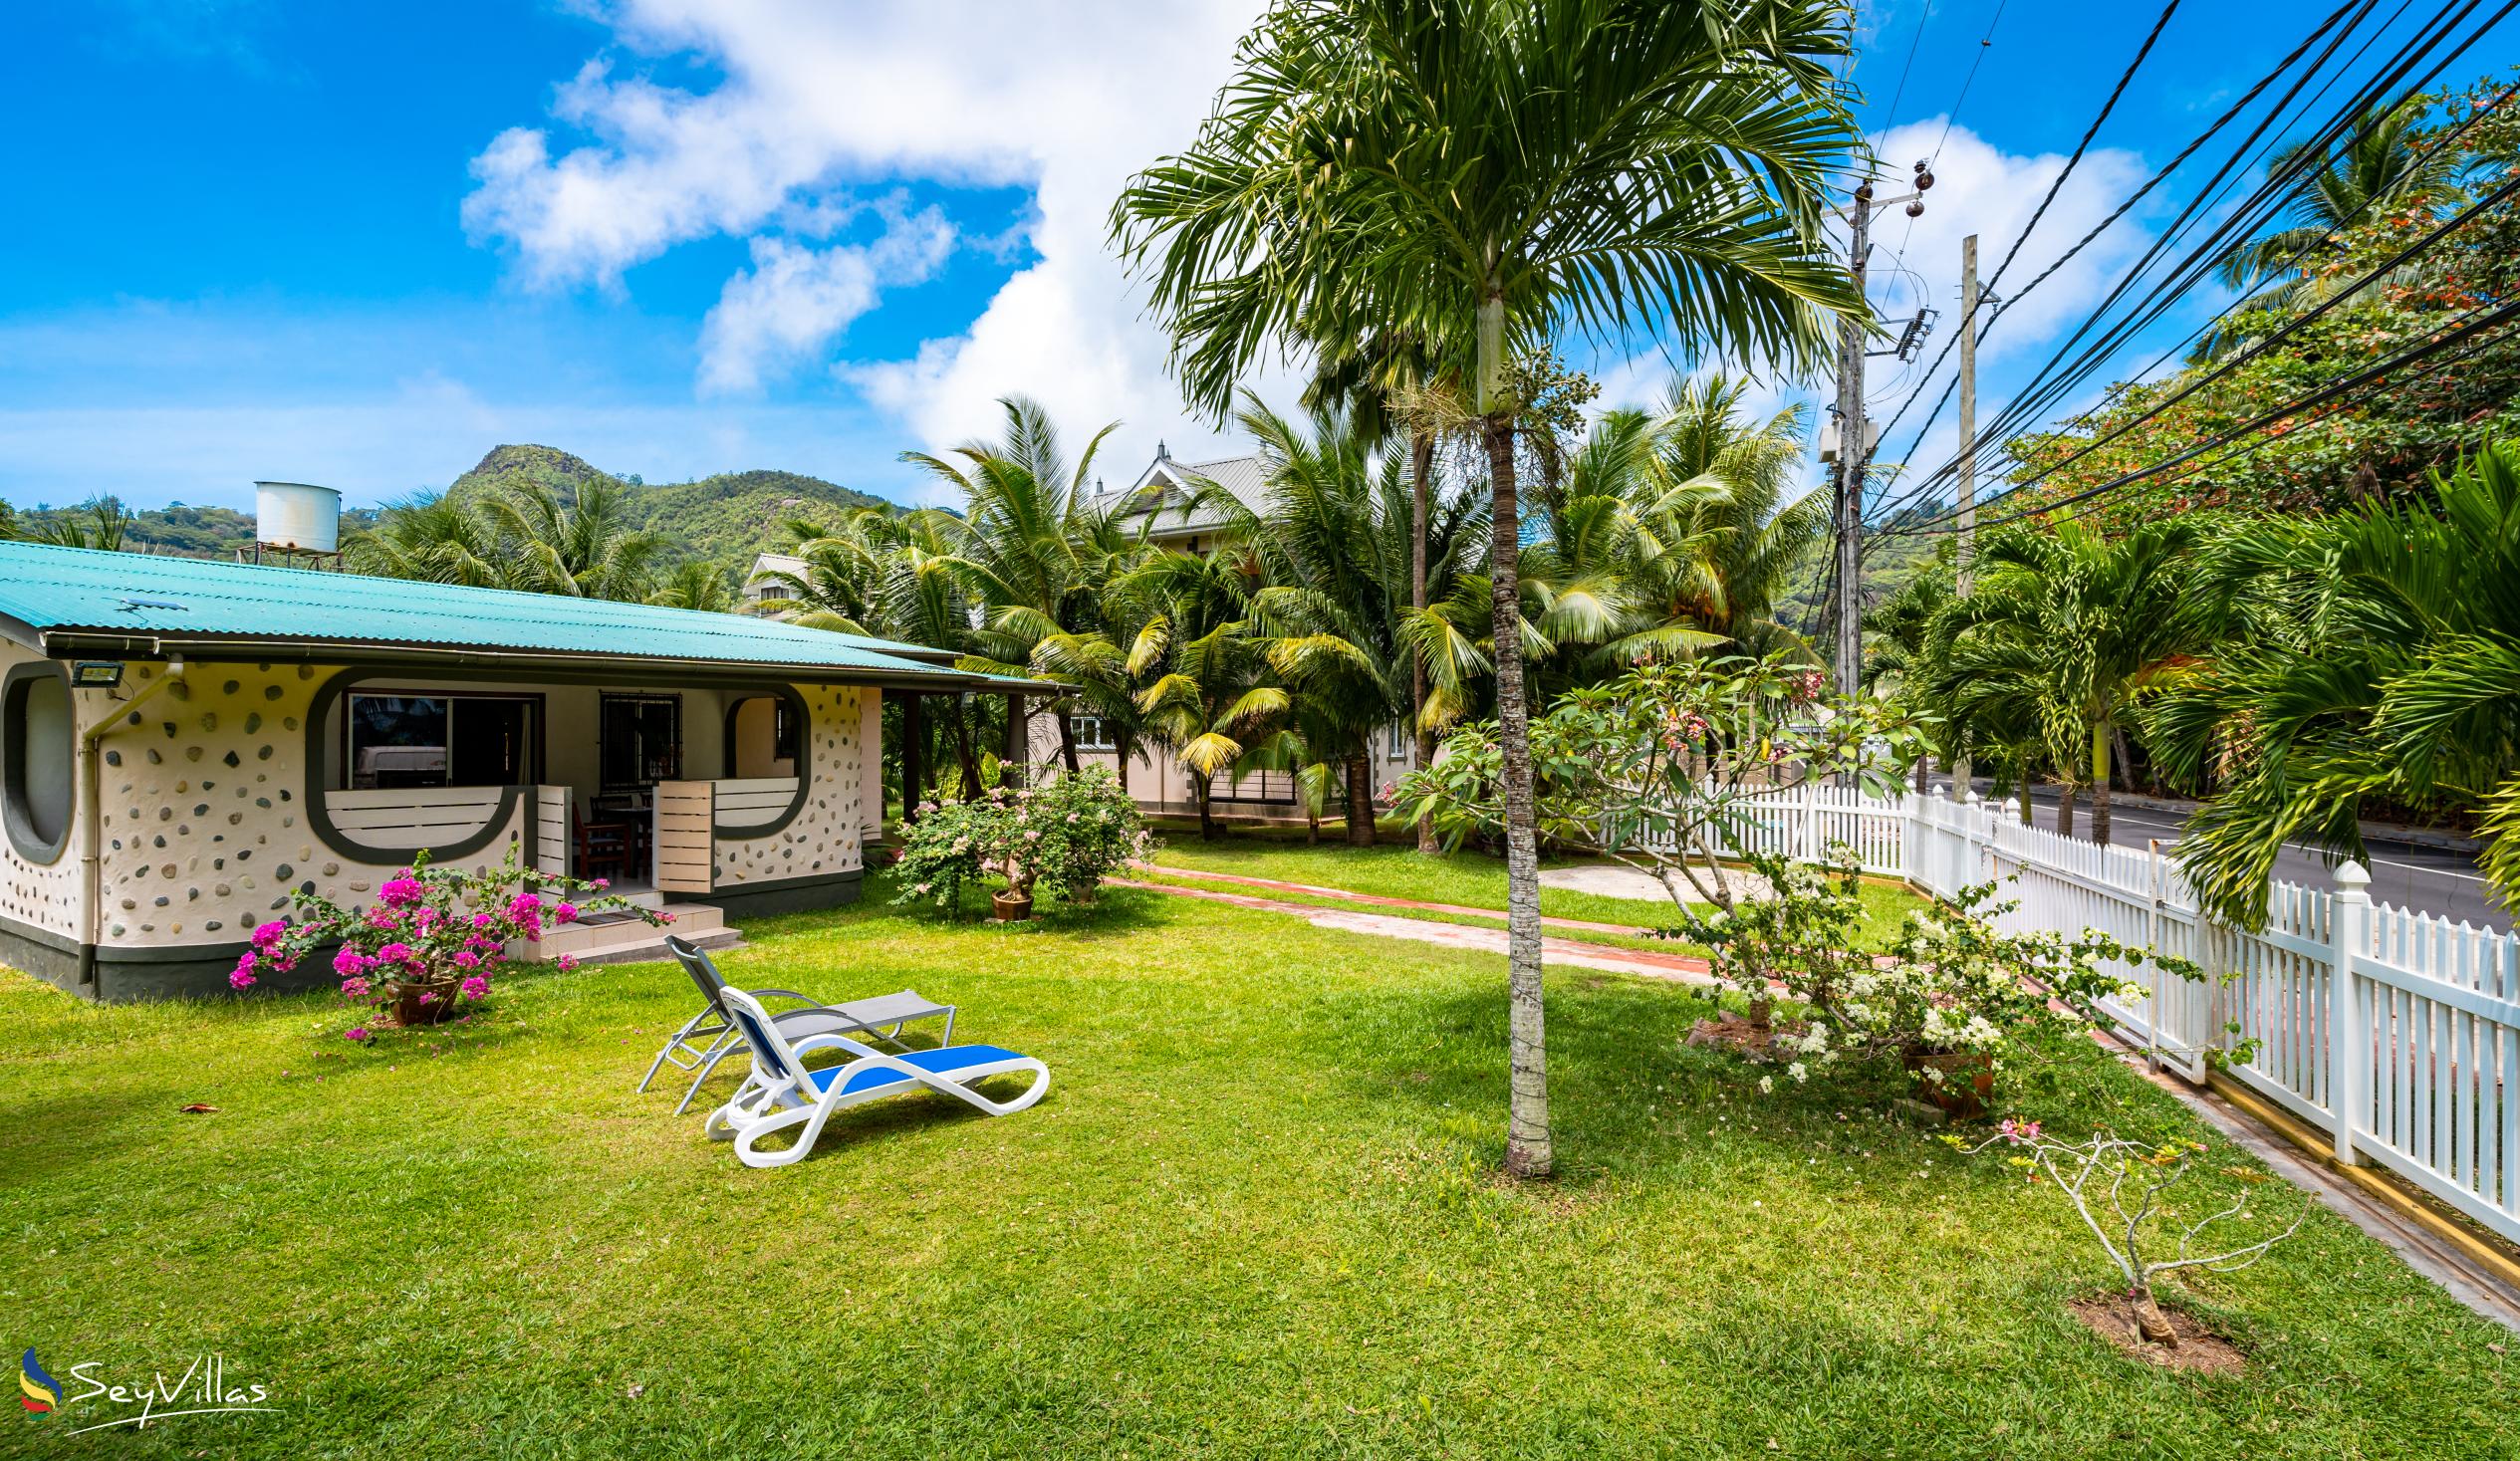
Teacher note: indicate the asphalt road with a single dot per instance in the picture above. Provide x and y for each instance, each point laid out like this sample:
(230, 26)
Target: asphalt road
(2427, 880)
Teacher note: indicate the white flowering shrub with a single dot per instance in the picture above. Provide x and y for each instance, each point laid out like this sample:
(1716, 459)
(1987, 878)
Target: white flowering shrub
(1950, 984)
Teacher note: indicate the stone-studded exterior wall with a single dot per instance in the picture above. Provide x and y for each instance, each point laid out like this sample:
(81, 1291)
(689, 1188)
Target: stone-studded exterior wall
(44, 895)
(823, 840)
(205, 810)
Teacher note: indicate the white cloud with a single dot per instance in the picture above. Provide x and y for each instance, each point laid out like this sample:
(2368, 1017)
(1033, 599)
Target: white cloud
(793, 299)
(815, 97)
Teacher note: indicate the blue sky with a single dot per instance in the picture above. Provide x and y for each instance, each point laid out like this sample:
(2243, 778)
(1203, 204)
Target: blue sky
(362, 245)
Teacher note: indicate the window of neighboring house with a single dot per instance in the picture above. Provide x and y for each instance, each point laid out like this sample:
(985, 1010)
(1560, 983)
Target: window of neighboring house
(38, 733)
(1400, 744)
(438, 740)
(641, 740)
(1090, 732)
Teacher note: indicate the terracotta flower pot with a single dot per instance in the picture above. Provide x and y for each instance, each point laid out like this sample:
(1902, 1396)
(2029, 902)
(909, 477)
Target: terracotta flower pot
(419, 1002)
(1968, 1079)
(1011, 907)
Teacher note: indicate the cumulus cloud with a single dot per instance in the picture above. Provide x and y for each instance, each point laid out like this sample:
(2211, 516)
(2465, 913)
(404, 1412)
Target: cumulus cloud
(794, 301)
(812, 97)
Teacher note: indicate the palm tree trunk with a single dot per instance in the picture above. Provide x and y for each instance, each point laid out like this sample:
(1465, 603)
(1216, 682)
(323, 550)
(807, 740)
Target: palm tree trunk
(1068, 743)
(1207, 825)
(1528, 1150)
(1421, 465)
(1361, 801)
(1127, 747)
(2021, 796)
(2065, 809)
(2100, 784)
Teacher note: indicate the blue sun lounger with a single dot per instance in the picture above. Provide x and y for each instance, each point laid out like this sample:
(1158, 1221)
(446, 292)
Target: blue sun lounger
(781, 1094)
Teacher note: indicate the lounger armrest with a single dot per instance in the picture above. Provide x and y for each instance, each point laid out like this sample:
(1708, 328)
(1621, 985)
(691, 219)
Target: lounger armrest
(787, 994)
(812, 1043)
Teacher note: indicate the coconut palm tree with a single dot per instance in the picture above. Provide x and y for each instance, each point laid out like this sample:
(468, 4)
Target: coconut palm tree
(1037, 549)
(1212, 698)
(2387, 157)
(696, 583)
(580, 545)
(434, 539)
(1490, 176)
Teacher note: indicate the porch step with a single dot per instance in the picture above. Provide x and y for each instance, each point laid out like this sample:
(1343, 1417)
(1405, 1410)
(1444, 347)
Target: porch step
(619, 938)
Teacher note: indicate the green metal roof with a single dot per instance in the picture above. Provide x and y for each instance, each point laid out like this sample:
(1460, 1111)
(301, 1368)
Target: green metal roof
(70, 602)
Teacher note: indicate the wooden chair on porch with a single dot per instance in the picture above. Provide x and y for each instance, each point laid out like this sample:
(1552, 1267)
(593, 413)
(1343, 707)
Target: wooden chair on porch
(599, 848)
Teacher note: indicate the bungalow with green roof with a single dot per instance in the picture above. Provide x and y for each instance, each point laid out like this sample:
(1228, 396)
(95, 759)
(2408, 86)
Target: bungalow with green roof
(183, 743)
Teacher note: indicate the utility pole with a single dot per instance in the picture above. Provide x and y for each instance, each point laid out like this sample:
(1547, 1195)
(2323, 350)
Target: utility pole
(1855, 435)
(1966, 567)
(1851, 453)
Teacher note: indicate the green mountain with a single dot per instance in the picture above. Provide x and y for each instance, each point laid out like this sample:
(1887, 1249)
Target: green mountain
(728, 517)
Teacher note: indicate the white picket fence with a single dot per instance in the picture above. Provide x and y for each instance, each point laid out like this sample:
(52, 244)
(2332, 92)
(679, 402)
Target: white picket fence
(2396, 1032)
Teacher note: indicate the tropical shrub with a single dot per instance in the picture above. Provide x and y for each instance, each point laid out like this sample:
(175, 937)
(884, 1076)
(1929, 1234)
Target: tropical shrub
(430, 943)
(1950, 985)
(1059, 838)
(1087, 828)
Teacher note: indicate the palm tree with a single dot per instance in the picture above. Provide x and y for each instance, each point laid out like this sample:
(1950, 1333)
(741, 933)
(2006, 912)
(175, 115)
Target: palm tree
(2387, 157)
(1212, 700)
(696, 583)
(432, 538)
(1488, 177)
(2081, 626)
(2371, 655)
(1901, 631)
(580, 545)
(98, 522)
(1037, 550)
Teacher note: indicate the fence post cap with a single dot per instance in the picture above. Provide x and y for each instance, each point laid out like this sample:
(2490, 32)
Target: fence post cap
(1969, 796)
(2352, 877)
(1933, 791)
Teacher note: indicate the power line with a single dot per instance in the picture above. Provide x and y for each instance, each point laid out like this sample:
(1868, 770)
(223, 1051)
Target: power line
(2365, 376)
(2246, 100)
(2313, 153)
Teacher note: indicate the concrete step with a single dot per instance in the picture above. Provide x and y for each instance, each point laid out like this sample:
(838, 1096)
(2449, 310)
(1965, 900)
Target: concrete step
(619, 938)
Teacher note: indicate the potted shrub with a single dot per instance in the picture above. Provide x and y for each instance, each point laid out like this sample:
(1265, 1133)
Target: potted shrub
(1059, 839)
(425, 950)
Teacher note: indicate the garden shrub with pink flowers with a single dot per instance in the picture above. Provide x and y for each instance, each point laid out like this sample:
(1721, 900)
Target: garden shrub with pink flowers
(425, 952)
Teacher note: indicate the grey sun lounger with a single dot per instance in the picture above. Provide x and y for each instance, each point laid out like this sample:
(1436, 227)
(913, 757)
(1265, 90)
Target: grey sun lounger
(710, 1037)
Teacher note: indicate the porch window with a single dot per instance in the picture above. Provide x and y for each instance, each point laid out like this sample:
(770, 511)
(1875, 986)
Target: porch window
(1090, 731)
(439, 740)
(1400, 744)
(641, 740)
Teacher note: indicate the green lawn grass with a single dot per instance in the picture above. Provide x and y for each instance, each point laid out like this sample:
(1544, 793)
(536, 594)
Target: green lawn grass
(1258, 1215)
(1466, 878)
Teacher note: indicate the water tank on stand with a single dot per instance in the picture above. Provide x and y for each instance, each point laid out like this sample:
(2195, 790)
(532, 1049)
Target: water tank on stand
(292, 518)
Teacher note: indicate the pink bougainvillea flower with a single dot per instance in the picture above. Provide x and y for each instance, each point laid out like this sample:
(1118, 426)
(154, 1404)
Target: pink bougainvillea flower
(383, 918)
(480, 920)
(664, 918)
(270, 933)
(355, 1033)
(568, 962)
(476, 987)
(398, 953)
(467, 959)
(355, 987)
(602, 884)
(566, 912)
(349, 963)
(240, 978)
(526, 905)
(400, 888)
